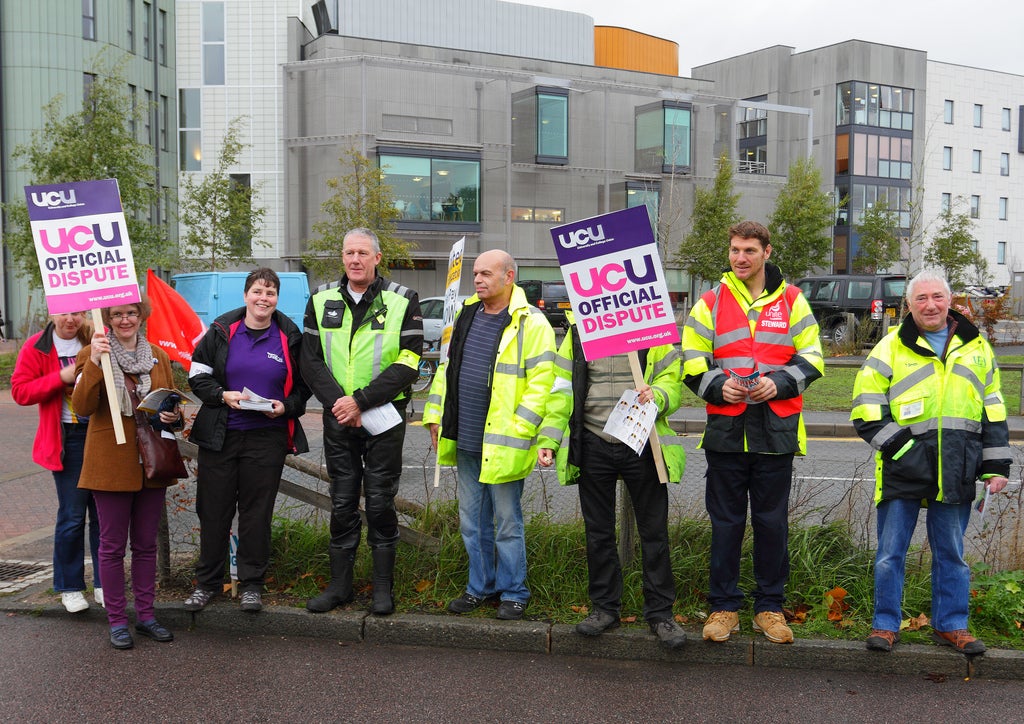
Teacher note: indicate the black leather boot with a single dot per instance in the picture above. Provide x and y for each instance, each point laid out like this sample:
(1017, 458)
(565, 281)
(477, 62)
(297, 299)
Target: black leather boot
(383, 579)
(339, 590)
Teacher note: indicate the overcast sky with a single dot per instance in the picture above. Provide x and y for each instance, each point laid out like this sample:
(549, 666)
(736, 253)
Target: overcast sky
(980, 33)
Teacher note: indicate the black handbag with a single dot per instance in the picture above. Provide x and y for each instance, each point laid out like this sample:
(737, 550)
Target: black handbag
(161, 459)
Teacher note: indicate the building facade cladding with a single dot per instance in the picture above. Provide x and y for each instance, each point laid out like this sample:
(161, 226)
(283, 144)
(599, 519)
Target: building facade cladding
(45, 54)
(254, 46)
(365, 82)
(994, 91)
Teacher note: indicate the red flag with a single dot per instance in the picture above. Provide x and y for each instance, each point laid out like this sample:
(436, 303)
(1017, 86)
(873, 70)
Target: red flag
(172, 326)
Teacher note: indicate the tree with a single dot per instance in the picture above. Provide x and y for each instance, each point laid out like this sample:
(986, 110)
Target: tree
(800, 225)
(704, 253)
(95, 142)
(360, 199)
(218, 211)
(879, 239)
(953, 248)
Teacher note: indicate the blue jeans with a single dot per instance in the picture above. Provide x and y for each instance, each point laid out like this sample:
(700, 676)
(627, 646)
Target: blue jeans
(951, 577)
(73, 503)
(491, 523)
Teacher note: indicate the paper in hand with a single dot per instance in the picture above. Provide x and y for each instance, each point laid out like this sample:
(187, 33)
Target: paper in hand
(632, 422)
(255, 402)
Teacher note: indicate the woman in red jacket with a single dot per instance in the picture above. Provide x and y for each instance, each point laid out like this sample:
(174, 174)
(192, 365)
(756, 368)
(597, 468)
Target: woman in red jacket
(44, 375)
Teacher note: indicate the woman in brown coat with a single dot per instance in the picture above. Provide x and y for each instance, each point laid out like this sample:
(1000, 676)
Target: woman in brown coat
(126, 501)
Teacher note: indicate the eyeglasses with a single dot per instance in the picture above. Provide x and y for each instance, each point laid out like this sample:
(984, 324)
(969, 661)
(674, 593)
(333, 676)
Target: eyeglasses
(118, 316)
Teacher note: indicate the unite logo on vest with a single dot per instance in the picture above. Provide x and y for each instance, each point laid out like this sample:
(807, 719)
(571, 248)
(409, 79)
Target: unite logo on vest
(773, 317)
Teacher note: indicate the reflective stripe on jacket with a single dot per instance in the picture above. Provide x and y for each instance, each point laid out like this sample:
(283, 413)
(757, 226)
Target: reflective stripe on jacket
(563, 426)
(520, 386)
(937, 425)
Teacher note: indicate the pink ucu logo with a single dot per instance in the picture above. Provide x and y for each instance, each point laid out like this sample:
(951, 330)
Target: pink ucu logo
(581, 237)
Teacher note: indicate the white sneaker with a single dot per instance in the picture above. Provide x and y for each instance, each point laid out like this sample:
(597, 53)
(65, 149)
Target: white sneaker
(97, 594)
(74, 601)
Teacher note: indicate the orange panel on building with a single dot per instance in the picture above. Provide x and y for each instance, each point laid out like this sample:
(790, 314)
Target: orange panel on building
(629, 50)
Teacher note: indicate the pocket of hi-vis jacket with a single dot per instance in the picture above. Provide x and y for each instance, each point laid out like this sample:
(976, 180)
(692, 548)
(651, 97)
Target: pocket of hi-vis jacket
(333, 314)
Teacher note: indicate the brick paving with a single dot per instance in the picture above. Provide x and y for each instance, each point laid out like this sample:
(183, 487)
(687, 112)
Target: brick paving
(28, 500)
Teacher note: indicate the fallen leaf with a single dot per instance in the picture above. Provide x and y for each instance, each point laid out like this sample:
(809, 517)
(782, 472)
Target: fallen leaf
(423, 585)
(579, 609)
(798, 614)
(679, 618)
(628, 619)
(915, 624)
(837, 605)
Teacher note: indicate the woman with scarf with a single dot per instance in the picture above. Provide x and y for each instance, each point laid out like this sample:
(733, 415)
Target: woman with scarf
(125, 499)
(44, 375)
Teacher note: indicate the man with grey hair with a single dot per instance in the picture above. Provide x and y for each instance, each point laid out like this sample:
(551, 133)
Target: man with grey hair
(928, 401)
(361, 350)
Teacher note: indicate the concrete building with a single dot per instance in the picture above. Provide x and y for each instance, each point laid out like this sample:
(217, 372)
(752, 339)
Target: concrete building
(49, 48)
(892, 124)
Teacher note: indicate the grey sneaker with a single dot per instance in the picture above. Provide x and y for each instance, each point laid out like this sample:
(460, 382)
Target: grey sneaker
(198, 599)
(252, 601)
(597, 623)
(669, 633)
(511, 610)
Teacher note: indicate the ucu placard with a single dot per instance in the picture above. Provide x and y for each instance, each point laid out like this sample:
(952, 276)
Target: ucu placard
(616, 283)
(82, 245)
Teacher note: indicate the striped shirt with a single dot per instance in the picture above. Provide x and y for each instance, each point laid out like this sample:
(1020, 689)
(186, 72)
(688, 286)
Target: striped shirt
(474, 376)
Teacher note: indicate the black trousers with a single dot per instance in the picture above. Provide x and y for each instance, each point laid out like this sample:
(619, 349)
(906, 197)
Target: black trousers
(765, 480)
(373, 464)
(603, 464)
(245, 474)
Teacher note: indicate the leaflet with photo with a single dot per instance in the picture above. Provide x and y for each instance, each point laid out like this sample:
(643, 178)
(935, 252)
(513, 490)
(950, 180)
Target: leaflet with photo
(255, 402)
(151, 403)
(632, 422)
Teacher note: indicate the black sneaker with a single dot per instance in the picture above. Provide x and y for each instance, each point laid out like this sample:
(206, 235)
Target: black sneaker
(467, 602)
(121, 638)
(198, 599)
(597, 623)
(252, 601)
(668, 632)
(154, 630)
(511, 610)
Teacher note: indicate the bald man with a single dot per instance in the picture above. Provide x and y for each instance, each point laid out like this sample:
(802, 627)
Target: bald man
(484, 410)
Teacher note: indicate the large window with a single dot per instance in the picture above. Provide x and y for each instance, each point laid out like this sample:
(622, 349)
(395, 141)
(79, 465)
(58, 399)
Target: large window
(753, 139)
(1004, 164)
(213, 43)
(433, 188)
(540, 126)
(644, 194)
(947, 111)
(947, 158)
(883, 156)
(89, 19)
(190, 140)
(536, 213)
(871, 104)
(859, 197)
(663, 137)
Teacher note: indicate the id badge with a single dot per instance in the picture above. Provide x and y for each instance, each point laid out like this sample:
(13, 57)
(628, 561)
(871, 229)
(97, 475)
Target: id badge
(911, 409)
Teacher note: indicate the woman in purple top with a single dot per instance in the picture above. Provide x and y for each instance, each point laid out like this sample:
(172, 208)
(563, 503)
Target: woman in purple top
(250, 351)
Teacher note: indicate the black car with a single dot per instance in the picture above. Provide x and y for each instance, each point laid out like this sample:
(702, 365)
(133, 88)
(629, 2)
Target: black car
(548, 296)
(864, 300)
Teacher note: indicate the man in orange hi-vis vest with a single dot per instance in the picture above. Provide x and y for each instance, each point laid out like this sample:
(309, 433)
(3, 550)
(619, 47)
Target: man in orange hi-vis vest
(750, 348)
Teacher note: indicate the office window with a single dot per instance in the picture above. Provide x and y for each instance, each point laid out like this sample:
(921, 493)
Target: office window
(976, 161)
(1004, 164)
(1006, 119)
(531, 213)
(89, 19)
(978, 112)
(147, 126)
(872, 104)
(165, 121)
(540, 126)
(133, 96)
(430, 188)
(947, 111)
(884, 156)
(1000, 252)
(1004, 201)
(662, 137)
(87, 81)
(213, 43)
(130, 23)
(975, 207)
(161, 30)
(190, 135)
(947, 158)
(947, 201)
(147, 22)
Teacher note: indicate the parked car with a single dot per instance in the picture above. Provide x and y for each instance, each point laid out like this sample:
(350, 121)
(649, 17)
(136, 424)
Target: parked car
(550, 297)
(868, 298)
(433, 319)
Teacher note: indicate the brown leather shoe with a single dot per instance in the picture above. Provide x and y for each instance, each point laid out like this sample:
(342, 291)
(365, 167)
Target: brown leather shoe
(882, 640)
(960, 640)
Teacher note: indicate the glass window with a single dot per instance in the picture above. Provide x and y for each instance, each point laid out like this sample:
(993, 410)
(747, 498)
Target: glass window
(540, 126)
(89, 19)
(976, 161)
(213, 43)
(148, 123)
(527, 213)
(1004, 201)
(860, 290)
(975, 207)
(147, 12)
(843, 153)
(165, 121)
(433, 189)
(978, 113)
(162, 37)
(130, 17)
(947, 201)
(947, 158)
(1004, 164)
(133, 97)
(1000, 252)
(844, 97)
(648, 195)
(947, 111)
(662, 140)
(1006, 119)
(552, 125)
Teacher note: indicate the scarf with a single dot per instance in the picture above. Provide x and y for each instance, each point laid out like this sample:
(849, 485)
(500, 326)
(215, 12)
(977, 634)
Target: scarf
(139, 362)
